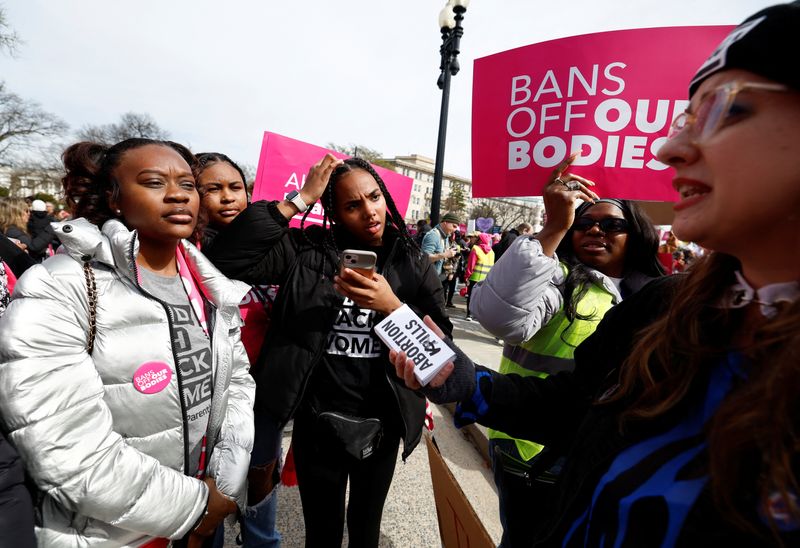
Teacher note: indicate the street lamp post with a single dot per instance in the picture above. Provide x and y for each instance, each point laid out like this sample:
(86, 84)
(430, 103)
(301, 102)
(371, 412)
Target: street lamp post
(450, 22)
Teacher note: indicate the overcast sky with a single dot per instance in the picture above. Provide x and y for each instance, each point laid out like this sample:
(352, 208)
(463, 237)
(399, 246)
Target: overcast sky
(216, 74)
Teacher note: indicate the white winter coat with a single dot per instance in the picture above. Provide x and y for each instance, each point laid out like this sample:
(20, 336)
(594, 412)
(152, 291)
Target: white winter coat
(108, 459)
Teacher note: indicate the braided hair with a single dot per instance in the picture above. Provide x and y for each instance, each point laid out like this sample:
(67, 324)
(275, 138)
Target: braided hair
(203, 234)
(207, 159)
(393, 216)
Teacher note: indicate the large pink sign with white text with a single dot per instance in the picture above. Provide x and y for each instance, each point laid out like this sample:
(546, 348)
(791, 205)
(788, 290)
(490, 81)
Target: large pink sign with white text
(284, 163)
(611, 95)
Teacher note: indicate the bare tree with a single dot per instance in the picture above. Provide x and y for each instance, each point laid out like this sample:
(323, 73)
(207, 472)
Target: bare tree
(9, 39)
(249, 172)
(483, 208)
(23, 123)
(130, 125)
(369, 154)
(509, 215)
(28, 134)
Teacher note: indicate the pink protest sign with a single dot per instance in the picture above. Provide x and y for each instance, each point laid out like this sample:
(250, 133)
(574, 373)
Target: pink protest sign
(612, 95)
(284, 163)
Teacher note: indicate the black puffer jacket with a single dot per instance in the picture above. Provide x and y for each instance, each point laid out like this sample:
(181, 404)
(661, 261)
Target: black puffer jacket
(16, 508)
(258, 247)
(559, 412)
(42, 235)
(16, 259)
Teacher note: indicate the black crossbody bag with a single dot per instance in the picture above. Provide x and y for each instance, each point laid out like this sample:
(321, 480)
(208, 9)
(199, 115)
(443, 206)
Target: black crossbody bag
(358, 437)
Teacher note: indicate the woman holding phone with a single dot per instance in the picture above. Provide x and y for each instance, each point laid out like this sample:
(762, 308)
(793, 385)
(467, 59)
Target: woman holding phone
(322, 365)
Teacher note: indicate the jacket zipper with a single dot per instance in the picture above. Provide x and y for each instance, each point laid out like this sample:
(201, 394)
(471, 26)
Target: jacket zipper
(214, 419)
(393, 388)
(347, 418)
(300, 394)
(303, 387)
(170, 322)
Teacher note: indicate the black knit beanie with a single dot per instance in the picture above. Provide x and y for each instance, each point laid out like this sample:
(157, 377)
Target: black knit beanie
(766, 44)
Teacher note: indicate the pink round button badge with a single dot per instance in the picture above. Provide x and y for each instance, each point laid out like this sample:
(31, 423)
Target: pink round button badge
(152, 377)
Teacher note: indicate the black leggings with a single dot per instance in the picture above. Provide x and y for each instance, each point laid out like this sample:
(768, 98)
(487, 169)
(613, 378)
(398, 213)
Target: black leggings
(449, 289)
(322, 474)
(470, 285)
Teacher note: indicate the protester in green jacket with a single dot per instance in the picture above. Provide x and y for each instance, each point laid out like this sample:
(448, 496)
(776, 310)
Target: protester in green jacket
(543, 299)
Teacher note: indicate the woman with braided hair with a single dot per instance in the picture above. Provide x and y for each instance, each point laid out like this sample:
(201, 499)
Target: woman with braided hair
(322, 364)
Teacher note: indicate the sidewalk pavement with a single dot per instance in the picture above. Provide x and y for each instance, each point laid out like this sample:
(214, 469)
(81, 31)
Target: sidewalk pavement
(409, 516)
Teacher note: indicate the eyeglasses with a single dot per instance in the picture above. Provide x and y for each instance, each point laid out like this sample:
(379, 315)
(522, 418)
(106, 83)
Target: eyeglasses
(607, 225)
(714, 108)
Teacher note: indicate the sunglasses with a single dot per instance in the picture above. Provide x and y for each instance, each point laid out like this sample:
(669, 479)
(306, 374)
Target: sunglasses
(714, 109)
(607, 225)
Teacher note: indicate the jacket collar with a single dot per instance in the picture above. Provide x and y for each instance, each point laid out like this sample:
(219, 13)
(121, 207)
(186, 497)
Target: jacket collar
(116, 247)
(224, 293)
(631, 283)
(84, 241)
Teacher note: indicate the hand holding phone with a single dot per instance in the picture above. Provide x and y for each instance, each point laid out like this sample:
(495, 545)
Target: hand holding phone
(374, 293)
(362, 262)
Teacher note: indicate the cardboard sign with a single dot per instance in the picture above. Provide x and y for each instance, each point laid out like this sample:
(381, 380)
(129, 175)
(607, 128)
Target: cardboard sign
(611, 95)
(459, 525)
(404, 331)
(284, 164)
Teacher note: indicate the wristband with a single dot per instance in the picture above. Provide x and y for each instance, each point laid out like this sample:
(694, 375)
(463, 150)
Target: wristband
(297, 200)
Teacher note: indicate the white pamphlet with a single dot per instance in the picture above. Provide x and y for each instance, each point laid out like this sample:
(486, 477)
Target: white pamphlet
(404, 331)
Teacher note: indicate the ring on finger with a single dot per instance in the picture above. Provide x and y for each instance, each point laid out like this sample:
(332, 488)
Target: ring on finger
(561, 182)
(573, 185)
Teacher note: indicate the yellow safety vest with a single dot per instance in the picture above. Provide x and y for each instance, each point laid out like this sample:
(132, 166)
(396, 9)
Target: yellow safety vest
(551, 350)
(485, 262)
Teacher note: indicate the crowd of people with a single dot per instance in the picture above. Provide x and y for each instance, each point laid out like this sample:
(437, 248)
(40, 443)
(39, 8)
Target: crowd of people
(163, 334)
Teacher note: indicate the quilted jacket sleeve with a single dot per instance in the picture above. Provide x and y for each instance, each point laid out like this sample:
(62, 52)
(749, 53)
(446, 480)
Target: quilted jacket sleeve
(230, 459)
(255, 247)
(520, 294)
(52, 406)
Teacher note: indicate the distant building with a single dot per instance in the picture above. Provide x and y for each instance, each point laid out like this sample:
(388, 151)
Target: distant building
(22, 182)
(514, 210)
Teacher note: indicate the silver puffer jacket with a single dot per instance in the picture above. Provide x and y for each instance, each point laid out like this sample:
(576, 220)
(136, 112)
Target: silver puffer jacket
(108, 459)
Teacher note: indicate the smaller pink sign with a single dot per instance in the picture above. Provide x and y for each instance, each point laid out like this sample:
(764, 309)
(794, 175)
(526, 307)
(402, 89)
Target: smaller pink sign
(152, 377)
(284, 163)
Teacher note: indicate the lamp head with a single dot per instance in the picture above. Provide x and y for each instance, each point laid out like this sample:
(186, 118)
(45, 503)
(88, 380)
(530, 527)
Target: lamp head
(447, 19)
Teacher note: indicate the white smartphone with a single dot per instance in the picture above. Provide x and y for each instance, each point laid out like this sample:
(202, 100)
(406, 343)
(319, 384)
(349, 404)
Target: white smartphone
(362, 262)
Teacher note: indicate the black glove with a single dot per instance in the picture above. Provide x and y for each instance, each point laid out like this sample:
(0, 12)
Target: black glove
(459, 385)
